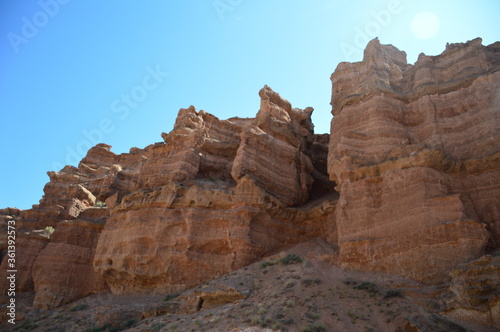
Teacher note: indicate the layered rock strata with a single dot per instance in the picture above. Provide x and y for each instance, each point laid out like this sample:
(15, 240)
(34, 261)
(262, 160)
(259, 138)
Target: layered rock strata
(63, 270)
(475, 289)
(215, 196)
(415, 152)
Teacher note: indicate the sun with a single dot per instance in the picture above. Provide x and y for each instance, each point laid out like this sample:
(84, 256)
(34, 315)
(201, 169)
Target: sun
(425, 25)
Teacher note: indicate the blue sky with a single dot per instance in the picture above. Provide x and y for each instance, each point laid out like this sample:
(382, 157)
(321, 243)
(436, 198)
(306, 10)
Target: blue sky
(73, 72)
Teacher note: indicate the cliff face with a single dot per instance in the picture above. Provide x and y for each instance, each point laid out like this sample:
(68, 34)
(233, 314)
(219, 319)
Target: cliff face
(215, 196)
(408, 183)
(416, 156)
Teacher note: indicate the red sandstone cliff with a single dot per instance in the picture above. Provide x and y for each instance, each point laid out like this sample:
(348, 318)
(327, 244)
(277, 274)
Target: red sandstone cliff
(407, 183)
(415, 152)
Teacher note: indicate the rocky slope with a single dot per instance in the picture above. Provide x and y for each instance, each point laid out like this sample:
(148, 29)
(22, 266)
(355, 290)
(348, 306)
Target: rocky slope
(406, 183)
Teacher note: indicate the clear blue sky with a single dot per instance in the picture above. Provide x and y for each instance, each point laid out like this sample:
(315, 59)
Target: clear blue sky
(73, 72)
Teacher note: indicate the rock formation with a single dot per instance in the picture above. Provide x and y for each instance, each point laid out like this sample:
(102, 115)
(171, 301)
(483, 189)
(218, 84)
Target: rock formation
(475, 289)
(407, 183)
(62, 278)
(214, 197)
(415, 153)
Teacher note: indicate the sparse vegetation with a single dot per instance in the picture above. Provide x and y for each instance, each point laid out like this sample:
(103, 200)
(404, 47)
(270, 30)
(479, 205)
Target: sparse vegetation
(256, 320)
(99, 204)
(314, 327)
(105, 328)
(291, 259)
(313, 315)
(445, 325)
(285, 260)
(79, 307)
(129, 324)
(156, 327)
(26, 325)
(311, 282)
(50, 229)
(109, 328)
(367, 286)
(393, 293)
(262, 311)
(171, 296)
(266, 264)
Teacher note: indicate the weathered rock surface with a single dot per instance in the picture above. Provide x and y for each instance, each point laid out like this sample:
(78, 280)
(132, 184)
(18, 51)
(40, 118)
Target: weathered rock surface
(415, 152)
(27, 249)
(476, 293)
(214, 197)
(63, 271)
(286, 172)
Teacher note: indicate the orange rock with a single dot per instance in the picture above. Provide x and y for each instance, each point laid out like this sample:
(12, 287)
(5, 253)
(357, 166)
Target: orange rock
(415, 150)
(63, 271)
(475, 297)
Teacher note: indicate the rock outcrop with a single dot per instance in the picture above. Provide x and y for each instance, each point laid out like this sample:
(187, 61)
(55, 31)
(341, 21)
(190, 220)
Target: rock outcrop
(407, 183)
(415, 152)
(63, 271)
(215, 196)
(27, 249)
(475, 289)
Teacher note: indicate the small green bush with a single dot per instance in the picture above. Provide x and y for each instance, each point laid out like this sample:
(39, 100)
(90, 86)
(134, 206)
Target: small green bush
(105, 328)
(100, 204)
(26, 325)
(393, 293)
(156, 327)
(94, 329)
(314, 327)
(311, 282)
(267, 263)
(291, 259)
(256, 320)
(367, 286)
(79, 307)
(50, 229)
(171, 296)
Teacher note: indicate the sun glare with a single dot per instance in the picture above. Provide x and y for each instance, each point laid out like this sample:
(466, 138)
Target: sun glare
(425, 25)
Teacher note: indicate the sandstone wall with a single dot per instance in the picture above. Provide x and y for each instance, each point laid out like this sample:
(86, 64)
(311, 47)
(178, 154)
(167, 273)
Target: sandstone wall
(415, 152)
(63, 271)
(216, 196)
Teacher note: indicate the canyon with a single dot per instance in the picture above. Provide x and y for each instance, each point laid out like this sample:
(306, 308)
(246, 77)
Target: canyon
(407, 184)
